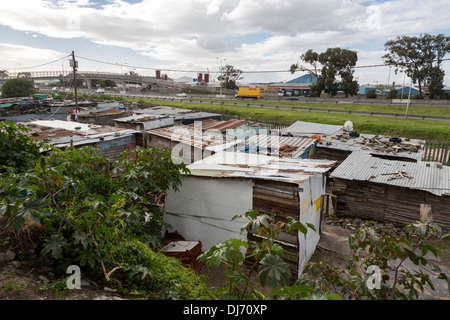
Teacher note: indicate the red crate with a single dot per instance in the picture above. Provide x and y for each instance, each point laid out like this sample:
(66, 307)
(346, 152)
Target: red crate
(185, 251)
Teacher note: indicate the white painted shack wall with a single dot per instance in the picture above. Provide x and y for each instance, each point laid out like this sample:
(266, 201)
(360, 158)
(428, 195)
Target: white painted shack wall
(203, 208)
(310, 208)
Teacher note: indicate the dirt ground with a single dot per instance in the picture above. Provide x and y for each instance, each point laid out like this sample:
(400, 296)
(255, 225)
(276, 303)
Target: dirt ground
(18, 281)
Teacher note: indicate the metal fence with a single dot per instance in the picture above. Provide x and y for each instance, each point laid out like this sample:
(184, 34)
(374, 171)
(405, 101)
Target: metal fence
(438, 151)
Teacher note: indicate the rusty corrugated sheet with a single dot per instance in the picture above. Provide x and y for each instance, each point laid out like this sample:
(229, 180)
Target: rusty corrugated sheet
(188, 135)
(222, 126)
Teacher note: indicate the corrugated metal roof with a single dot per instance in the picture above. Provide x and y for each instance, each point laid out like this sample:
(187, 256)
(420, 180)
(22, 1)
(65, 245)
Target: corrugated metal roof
(255, 166)
(101, 112)
(189, 135)
(7, 105)
(374, 144)
(140, 118)
(427, 176)
(222, 126)
(68, 125)
(162, 110)
(309, 128)
(61, 133)
(271, 144)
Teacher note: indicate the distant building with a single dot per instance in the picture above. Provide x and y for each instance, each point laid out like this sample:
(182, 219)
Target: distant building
(301, 83)
(405, 90)
(365, 88)
(304, 79)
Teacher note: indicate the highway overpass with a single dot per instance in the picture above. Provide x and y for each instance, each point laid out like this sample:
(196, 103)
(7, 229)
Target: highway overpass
(87, 76)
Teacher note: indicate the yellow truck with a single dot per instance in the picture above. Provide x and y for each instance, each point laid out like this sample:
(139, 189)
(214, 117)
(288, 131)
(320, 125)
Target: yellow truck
(249, 93)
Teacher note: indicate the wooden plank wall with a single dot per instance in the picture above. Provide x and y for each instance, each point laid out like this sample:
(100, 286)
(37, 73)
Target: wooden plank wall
(397, 205)
(279, 199)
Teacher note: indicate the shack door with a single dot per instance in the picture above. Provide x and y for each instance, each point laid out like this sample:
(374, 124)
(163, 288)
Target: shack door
(282, 200)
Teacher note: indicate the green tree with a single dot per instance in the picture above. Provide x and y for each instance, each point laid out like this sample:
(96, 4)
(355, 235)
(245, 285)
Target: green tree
(3, 73)
(107, 83)
(18, 88)
(421, 58)
(372, 94)
(327, 66)
(392, 94)
(229, 76)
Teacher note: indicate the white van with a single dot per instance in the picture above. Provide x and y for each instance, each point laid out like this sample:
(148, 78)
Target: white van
(100, 91)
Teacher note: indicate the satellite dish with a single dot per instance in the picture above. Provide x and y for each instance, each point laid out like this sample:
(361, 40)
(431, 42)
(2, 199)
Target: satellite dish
(348, 126)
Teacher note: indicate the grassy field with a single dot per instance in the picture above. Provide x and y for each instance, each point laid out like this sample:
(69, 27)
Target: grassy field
(395, 109)
(411, 128)
(419, 129)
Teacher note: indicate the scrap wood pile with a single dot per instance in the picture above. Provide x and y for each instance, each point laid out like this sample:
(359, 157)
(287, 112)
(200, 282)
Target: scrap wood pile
(399, 174)
(286, 150)
(382, 144)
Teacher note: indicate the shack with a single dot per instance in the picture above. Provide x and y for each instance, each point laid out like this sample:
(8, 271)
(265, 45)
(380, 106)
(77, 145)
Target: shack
(279, 146)
(62, 134)
(340, 145)
(232, 183)
(336, 143)
(103, 117)
(185, 142)
(144, 122)
(399, 192)
(239, 129)
(181, 116)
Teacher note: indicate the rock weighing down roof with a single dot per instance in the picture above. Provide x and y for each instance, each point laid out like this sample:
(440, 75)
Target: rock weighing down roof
(427, 176)
(375, 144)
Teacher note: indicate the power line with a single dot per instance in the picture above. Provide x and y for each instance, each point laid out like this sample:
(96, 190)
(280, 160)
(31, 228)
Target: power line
(191, 71)
(44, 64)
(197, 71)
(174, 70)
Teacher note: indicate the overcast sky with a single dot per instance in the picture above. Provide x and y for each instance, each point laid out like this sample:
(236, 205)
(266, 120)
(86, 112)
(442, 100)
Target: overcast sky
(181, 37)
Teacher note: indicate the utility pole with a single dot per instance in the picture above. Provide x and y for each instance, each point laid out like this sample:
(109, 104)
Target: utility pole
(221, 76)
(74, 64)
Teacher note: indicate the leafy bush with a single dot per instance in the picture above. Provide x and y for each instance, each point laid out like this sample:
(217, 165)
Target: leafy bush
(18, 152)
(383, 250)
(392, 94)
(103, 217)
(272, 270)
(372, 94)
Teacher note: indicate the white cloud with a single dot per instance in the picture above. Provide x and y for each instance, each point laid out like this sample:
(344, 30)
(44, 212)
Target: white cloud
(16, 54)
(194, 32)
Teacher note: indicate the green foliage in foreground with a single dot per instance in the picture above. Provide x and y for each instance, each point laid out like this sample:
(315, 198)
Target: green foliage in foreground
(103, 218)
(18, 152)
(376, 271)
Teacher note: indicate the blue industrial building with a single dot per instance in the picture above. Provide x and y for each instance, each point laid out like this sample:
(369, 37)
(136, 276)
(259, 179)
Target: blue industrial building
(304, 79)
(405, 90)
(365, 88)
